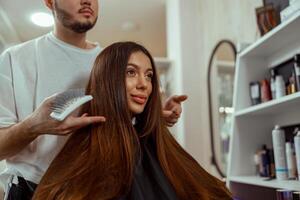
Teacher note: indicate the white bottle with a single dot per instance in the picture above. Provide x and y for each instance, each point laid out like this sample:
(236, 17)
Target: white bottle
(278, 138)
(291, 161)
(279, 86)
(297, 149)
(272, 84)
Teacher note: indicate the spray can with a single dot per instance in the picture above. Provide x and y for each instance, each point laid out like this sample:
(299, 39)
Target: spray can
(278, 138)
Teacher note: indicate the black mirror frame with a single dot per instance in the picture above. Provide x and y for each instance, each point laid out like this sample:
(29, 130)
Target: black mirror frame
(212, 142)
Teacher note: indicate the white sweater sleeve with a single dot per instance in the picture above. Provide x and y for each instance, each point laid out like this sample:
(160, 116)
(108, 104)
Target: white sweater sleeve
(8, 114)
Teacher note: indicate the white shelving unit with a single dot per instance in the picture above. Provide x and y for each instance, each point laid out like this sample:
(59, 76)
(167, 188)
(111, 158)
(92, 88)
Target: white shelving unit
(254, 180)
(252, 125)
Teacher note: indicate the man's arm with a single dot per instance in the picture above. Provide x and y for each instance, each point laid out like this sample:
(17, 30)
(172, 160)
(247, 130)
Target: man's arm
(15, 138)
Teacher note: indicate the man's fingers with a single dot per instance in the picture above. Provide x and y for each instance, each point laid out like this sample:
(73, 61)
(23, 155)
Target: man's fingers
(95, 119)
(180, 98)
(84, 115)
(167, 113)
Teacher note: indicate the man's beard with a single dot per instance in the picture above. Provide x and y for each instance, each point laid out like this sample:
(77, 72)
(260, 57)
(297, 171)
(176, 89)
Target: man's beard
(67, 21)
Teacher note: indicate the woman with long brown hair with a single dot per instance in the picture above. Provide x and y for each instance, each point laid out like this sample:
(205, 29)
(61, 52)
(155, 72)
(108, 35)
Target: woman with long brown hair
(132, 155)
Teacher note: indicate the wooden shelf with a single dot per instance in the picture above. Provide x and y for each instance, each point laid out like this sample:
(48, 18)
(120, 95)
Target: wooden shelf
(276, 184)
(273, 107)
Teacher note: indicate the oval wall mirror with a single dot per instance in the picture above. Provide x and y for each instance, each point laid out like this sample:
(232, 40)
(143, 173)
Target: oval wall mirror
(220, 78)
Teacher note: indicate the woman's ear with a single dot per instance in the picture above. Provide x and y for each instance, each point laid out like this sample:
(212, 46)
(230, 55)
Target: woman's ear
(49, 4)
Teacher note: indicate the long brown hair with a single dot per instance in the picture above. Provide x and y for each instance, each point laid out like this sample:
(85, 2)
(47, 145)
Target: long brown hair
(98, 161)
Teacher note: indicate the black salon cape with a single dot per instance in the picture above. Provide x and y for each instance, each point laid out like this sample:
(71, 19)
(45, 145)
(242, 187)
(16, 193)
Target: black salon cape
(150, 182)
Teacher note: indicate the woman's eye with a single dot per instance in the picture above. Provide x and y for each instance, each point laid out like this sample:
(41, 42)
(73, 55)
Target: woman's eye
(130, 72)
(150, 76)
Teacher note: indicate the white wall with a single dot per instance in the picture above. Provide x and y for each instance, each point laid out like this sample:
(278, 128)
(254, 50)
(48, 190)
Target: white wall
(228, 19)
(8, 35)
(194, 28)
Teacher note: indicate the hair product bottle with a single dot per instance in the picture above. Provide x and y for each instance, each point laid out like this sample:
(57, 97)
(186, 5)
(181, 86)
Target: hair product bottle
(283, 194)
(280, 86)
(297, 149)
(296, 195)
(291, 162)
(278, 138)
(266, 94)
(272, 84)
(297, 75)
(255, 93)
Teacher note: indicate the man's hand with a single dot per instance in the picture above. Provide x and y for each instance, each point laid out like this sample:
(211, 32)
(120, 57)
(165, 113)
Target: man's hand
(172, 109)
(40, 122)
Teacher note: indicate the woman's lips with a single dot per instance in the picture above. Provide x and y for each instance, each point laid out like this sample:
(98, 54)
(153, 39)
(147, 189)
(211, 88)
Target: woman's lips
(139, 99)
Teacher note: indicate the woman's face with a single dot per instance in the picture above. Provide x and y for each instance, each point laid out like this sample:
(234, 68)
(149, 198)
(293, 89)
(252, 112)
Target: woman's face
(139, 75)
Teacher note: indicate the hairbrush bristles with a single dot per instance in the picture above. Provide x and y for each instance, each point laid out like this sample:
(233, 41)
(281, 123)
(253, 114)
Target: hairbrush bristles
(66, 102)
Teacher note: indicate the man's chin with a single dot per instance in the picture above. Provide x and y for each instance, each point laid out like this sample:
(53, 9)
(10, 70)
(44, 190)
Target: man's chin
(85, 20)
(81, 27)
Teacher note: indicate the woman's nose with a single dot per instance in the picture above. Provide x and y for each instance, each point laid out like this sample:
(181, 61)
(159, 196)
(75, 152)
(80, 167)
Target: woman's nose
(142, 82)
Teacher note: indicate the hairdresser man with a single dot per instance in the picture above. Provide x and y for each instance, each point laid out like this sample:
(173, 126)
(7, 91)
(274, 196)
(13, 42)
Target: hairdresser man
(35, 70)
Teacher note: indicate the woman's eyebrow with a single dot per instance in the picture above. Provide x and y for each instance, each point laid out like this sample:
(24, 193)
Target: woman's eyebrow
(133, 65)
(138, 67)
